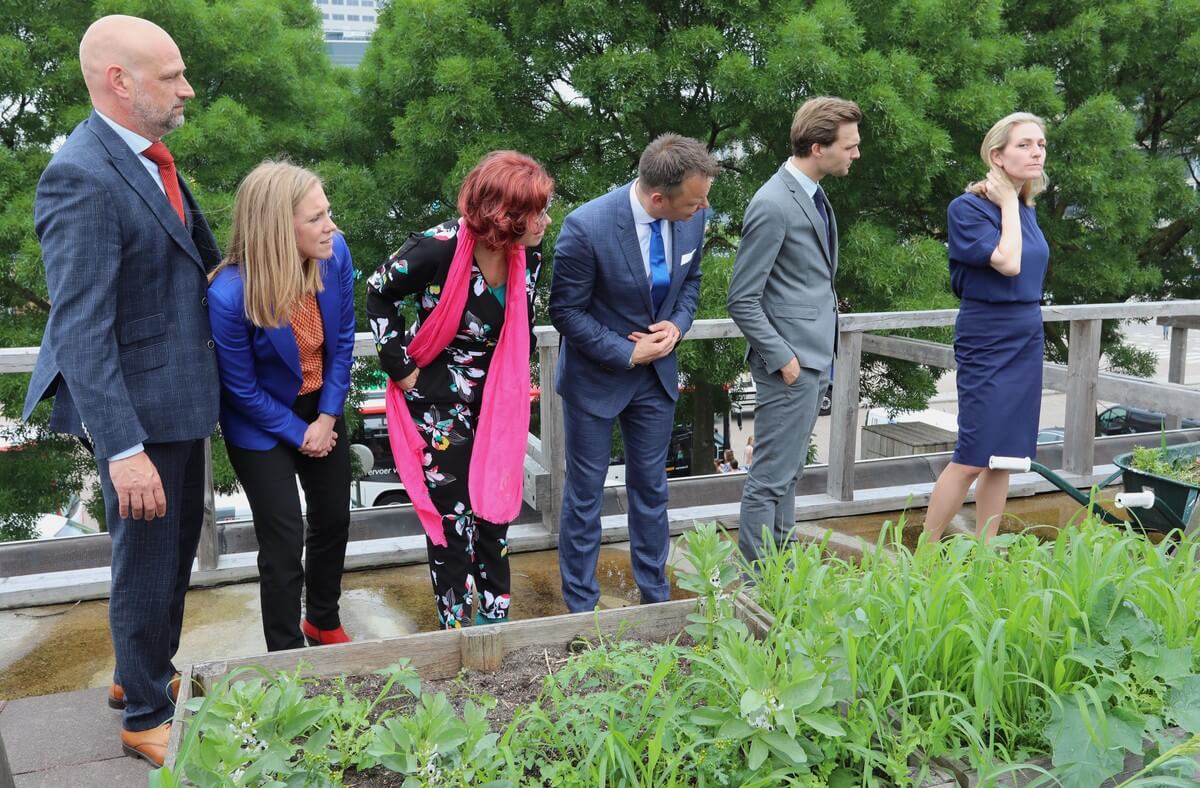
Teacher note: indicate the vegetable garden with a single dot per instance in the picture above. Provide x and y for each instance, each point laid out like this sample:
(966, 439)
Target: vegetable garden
(1072, 661)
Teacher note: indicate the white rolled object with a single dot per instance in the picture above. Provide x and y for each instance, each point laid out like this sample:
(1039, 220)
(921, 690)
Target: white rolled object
(1135, 500)
(1018, 464)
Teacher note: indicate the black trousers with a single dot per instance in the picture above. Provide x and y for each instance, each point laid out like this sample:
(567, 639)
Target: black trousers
(269, 478)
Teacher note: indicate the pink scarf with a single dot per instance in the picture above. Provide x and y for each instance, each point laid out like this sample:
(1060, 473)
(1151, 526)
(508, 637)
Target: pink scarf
(498, 453)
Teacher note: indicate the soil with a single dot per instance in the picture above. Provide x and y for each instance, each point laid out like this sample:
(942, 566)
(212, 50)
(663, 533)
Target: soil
(1008, 525)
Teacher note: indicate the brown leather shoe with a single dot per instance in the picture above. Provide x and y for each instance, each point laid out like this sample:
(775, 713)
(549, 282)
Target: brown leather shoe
(116, 693)
(149, 745)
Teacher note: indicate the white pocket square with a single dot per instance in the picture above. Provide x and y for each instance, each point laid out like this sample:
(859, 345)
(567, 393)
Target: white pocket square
(687, 258)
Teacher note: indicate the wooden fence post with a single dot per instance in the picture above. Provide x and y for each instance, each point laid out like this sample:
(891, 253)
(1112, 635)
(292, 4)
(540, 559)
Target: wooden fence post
(1083, 365)
(843, 425)
(209, 549)
(553, 441)
(1176, 366)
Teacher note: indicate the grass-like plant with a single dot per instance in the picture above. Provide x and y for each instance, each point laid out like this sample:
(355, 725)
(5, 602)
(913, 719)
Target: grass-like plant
(1004, 650)
(1083, 649)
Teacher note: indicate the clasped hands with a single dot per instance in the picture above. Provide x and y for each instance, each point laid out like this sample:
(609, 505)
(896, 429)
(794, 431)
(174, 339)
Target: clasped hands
(654, 343)
(319, 438)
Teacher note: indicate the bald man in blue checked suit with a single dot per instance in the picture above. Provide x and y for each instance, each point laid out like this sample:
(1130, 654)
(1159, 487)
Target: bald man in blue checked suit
(625, 289)
(127, 354)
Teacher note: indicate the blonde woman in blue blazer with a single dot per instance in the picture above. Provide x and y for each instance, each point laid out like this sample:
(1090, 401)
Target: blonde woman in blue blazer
(281, 305)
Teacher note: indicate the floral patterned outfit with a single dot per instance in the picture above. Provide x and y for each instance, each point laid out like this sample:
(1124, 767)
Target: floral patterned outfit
(444, 405)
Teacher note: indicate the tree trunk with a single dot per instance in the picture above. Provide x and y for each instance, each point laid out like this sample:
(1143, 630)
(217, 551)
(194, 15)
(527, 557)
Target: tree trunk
(703, 407)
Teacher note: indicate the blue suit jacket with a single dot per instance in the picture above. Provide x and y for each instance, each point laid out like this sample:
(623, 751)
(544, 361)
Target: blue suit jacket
(600, 294)
(127, 353)
(260, 367)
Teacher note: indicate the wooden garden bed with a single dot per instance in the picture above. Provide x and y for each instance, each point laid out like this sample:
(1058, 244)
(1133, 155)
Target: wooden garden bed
(443, 654)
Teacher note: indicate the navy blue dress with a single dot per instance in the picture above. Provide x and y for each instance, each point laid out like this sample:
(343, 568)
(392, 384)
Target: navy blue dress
(998, 339)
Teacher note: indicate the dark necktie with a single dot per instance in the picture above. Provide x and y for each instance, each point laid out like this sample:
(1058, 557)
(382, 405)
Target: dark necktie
(823, 209)
(660, 274)
(159, 154)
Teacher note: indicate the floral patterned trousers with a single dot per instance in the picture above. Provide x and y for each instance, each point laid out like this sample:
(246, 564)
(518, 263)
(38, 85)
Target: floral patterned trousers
(474, 561)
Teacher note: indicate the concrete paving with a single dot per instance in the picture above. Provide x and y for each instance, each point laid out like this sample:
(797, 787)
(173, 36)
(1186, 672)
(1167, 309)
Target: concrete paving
(67, 740)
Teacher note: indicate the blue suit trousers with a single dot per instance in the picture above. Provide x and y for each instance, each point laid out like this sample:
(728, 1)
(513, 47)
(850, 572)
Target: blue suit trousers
(646, 424)
(151, 566)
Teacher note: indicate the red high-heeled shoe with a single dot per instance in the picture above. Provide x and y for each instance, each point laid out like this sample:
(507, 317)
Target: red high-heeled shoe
(322, 637)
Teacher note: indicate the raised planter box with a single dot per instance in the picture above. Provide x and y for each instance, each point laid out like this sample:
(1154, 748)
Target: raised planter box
(441, 655)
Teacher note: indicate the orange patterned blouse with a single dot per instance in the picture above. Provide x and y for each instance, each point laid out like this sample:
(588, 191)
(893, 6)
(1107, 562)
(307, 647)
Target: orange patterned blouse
(310, 339)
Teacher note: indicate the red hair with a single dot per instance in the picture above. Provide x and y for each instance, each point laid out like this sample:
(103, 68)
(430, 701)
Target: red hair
(500, 197)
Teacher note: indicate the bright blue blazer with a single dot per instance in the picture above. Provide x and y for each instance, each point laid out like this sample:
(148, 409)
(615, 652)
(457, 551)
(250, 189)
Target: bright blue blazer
(260, 367)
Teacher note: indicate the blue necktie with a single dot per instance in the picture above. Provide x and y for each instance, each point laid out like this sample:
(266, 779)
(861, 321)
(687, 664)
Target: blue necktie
(823, 209)
(660, 274)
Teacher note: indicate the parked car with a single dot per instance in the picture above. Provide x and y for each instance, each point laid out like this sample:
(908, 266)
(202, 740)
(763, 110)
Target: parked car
(1126, 420)
(1050, 435)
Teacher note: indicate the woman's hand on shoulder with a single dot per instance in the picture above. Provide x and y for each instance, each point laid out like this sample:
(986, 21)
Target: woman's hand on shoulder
(999, 189)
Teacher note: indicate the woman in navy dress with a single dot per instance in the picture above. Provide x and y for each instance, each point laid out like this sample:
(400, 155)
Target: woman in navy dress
(998, 259)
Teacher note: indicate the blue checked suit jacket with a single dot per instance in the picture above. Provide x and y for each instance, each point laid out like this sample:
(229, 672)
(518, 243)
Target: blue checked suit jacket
(127, 354)
(599, 295)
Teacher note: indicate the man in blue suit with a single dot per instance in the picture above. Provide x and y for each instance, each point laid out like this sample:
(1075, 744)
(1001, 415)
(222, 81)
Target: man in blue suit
(625, 289)
(127, 353)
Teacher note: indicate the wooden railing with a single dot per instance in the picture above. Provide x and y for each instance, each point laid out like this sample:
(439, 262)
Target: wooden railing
(1080, 378)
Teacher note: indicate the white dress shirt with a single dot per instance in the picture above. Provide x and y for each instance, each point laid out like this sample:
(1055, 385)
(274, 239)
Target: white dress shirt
(137, 143)
(807, 183)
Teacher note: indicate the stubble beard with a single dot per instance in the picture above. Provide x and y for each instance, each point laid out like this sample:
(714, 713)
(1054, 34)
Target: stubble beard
(154, 120)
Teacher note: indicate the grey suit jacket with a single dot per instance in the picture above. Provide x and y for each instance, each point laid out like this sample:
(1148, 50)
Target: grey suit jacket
(127, 350)
(781, 294)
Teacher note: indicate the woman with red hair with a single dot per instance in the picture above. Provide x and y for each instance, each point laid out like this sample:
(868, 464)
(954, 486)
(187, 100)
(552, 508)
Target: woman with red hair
(458, 390)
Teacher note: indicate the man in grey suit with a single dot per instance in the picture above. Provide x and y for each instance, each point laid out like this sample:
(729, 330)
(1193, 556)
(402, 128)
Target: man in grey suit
(782, 297)
(127, 353)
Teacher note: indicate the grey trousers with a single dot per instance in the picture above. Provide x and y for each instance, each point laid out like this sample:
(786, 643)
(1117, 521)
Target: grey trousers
(783, 421)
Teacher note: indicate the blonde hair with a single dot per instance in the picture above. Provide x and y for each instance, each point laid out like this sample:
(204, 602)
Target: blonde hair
(263, 246)
(997, 138)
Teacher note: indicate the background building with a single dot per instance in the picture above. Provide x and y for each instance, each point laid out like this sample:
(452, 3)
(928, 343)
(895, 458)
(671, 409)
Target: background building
(348, 25)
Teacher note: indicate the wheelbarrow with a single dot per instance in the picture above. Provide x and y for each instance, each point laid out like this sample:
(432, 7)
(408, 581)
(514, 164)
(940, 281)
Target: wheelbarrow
(1165, 505)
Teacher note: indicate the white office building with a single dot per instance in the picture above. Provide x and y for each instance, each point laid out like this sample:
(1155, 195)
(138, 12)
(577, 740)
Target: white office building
(348, 25)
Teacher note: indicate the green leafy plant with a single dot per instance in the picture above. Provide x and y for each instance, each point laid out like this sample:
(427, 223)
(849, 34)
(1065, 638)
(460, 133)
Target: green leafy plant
(1001, 651)
(267, 730)
(710, 574)
(1157, 461)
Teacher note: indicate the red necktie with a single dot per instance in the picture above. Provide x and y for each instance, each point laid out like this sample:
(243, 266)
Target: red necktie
(159, 154)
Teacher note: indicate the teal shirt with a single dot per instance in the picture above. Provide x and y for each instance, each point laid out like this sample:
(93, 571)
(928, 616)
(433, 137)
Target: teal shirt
(499, 293)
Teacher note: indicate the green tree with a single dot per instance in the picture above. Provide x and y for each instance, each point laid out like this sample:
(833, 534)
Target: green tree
(41, 95)
(584, 84)
(1121, 213)
(264, 88)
